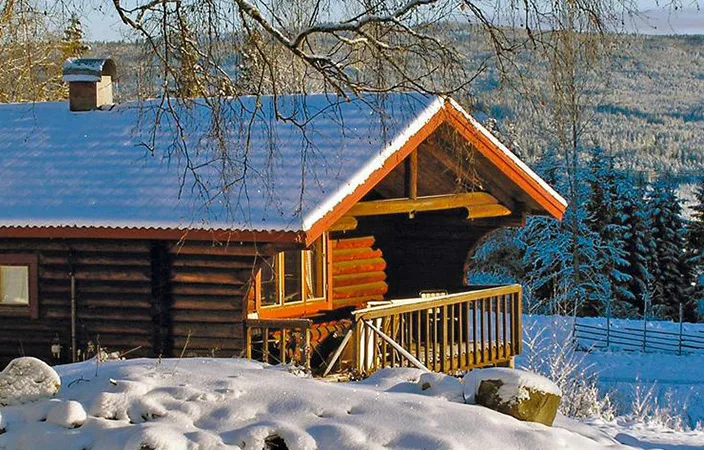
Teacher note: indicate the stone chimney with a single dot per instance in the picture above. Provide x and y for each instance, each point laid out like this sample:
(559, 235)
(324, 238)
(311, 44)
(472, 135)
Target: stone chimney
(90, 82)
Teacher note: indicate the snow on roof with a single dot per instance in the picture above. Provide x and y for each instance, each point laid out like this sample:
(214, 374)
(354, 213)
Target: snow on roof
(97, 168)
(87, 69)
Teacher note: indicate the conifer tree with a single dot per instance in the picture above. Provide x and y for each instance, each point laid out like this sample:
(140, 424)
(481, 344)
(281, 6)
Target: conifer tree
(605, 218)
(71, 44)
(695, 244)
(549, 257)
(672, 274)
(695, 231)
(638, 243)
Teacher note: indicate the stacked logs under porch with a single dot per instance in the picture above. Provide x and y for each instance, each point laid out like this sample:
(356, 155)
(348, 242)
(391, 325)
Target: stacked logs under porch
(358, 272)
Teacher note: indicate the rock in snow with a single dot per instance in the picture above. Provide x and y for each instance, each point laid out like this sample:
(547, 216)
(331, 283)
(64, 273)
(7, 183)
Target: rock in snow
(520, 394)
(27, 380)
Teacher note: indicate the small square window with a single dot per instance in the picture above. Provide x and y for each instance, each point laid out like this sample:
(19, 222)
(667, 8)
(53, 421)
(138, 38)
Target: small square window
(19, 281)
(14, 285)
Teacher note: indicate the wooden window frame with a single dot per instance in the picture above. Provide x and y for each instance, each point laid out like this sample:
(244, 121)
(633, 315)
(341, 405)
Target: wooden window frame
(306, 305)
(32, 262)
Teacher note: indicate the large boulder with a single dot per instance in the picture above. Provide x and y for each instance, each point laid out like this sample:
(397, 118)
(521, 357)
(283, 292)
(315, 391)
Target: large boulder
(27, 380)
(520, 394)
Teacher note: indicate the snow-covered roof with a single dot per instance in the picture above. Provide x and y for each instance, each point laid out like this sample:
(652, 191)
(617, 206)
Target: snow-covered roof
(96, 169)
(113, 169)
(88, 69)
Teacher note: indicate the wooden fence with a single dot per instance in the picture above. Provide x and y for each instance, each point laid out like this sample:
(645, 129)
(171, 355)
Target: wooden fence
(638, 339)
(447, 333)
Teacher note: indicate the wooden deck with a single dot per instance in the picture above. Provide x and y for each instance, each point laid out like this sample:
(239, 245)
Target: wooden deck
(446, 333)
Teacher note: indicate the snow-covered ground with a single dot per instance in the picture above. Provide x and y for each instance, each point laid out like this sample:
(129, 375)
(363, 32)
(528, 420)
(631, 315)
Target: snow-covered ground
(230, 403)
(200, 404)
(658, 397)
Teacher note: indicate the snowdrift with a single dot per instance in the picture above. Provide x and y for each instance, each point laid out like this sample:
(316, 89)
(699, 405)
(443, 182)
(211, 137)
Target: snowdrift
(237, 404)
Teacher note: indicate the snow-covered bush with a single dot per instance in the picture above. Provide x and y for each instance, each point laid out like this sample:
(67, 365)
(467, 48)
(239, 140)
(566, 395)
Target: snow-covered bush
(67, 414)
(648, 408)
(551, 353)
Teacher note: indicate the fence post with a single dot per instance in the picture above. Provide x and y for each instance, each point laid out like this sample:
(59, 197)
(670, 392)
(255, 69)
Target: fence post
(680, 336)
(608, 325)
(645, 324)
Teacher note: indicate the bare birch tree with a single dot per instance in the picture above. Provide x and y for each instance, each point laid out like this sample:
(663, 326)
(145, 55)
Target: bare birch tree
(347, 47)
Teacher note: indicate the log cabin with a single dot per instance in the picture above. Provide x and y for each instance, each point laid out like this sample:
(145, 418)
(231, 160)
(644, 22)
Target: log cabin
(311, 229)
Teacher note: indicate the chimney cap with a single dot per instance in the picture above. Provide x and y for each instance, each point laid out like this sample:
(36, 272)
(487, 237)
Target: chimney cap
(88, 69)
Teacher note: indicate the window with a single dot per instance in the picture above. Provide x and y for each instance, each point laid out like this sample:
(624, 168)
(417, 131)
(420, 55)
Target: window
(293, 281)
(14, 285)
(18, 284)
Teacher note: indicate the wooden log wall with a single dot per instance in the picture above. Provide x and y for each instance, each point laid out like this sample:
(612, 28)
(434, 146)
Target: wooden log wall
(358, 271)
(114, 298)
(426, 252)
(208, 284)
(155, 295)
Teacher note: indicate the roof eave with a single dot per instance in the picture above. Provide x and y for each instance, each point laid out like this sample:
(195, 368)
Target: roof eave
(219, 235)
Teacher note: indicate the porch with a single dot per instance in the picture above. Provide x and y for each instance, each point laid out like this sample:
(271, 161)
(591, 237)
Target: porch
(442, 332)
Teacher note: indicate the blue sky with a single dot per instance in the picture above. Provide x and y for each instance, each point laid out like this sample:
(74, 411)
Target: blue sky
(100, 22)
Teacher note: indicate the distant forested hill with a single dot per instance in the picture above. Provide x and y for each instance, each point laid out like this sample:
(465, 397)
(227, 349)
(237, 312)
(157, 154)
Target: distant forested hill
(648, 110)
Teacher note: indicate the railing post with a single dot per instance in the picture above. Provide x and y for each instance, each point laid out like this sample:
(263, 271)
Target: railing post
(307, 349)
(645, 324)
(265, 337)
(248, 341)
(282, 347)
(680, 336)
(519, 320)
(608, 325)
(356, 345)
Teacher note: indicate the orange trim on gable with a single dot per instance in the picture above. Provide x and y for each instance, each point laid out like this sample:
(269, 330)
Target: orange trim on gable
(504, 162)
(390, 164)
(450, 115)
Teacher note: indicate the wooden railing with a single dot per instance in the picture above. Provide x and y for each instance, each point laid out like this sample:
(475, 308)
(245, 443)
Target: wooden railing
(279, 341)
(447, 333)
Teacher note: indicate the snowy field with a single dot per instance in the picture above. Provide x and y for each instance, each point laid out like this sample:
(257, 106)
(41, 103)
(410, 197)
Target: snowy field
(658, 398)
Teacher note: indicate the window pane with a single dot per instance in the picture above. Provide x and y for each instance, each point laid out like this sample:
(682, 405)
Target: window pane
(292, 277)
(269, 283)
(14, 285)
(314, 270)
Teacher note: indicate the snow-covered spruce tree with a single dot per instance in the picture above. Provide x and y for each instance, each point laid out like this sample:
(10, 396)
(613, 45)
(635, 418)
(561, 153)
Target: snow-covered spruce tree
(695, 230)
(695, 246)
(605, 206)
(558, 285)
(71, 44)
(672, 274)
(638, 243)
